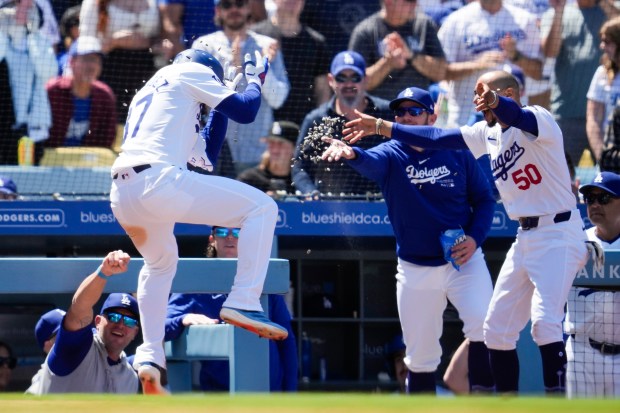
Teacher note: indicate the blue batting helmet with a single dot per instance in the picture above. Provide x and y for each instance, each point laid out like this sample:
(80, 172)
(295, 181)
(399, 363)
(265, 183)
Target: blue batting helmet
(202, 57)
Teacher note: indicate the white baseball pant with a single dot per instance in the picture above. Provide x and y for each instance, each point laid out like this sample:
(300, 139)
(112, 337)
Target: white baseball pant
(149, 203)
(534, 282)
(421, 295)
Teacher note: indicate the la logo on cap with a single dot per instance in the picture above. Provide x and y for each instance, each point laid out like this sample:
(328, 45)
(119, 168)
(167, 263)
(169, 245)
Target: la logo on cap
(408, 93)
(276, 129)
(125, 300)
(348, 59)
(599, 178)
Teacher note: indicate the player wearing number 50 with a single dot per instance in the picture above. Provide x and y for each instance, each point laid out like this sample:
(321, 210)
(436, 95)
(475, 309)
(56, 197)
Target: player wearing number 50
(527, 159)
(152, 190)
(428, 192)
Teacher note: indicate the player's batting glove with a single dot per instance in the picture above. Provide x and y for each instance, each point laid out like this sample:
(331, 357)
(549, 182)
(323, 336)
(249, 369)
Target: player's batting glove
(596, 254)
(255, 71)
(199, 158)
(231, 77)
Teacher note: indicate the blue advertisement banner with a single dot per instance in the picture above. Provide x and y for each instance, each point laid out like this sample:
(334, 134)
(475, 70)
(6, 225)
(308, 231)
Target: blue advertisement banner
(325, 218)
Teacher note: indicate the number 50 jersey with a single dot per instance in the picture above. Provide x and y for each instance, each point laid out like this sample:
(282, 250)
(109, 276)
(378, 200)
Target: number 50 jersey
(530, 171)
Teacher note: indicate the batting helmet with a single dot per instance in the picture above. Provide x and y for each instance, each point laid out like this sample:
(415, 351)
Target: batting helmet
(202, 57)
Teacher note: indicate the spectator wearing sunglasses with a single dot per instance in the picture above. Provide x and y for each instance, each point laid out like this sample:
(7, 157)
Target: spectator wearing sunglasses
(400, 46)
(593, 317)
(314, 177)
(8, 362)
(88, 355)
(428, 192)
(204, 309)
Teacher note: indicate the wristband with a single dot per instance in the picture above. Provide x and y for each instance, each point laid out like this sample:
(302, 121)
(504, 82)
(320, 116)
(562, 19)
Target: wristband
(494, 99)
(100, 274)
(378, 124)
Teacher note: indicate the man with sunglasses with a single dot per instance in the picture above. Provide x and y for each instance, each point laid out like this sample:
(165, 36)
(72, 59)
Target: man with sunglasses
(526, 151)
(428, 192)
(314, 177)
(88, 354)
(8, 362)
(593, 317)
(203, 309)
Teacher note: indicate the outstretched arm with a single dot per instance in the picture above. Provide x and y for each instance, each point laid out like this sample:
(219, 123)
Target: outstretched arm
(427, 137)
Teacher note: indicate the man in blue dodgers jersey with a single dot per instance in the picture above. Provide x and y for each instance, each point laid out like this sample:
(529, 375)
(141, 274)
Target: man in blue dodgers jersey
(527, 159)
(86, 361)
(152, 190)
(428, 192)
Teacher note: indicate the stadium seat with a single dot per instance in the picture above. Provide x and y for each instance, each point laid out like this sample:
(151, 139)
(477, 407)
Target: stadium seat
(79, 157)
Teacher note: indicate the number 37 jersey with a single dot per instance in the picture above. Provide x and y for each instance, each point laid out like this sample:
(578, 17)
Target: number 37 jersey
(164, 117)
(530, 172)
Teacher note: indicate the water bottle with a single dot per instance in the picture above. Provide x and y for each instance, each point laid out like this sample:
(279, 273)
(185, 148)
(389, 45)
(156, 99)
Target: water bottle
(306, 358)
(25, 151)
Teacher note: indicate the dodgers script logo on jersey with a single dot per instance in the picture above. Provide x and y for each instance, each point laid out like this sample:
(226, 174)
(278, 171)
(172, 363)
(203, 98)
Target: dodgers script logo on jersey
(476, 43)
(432, 175)
(505, 161)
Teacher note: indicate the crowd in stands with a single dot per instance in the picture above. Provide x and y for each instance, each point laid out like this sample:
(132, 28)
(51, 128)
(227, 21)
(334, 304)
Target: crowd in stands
(69, 69)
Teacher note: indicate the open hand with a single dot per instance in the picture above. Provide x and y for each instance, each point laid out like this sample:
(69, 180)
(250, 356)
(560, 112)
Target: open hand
(336, 150)
(354, 130)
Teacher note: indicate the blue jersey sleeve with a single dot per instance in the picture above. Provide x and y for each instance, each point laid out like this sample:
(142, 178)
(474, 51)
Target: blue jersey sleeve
(481, 200)
(69, 350)
(429, 137)
(510, 113)
(371, 163)
(214, 134)
(178, 306)
(286, 349)
(242, 107)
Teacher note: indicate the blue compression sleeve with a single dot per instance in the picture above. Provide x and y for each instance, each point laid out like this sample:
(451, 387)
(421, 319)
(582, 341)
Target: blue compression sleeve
(214, 134)
(428, 137)
(509, 112)
(242, 107)
(69, 350)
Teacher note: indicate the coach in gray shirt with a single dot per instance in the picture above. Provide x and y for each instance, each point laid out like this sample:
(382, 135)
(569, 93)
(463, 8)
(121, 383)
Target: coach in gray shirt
(87, 357)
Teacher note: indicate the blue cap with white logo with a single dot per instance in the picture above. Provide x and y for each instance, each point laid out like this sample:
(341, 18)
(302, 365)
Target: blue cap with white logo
(121, 300)
(348, 60)
(417, 95)
(607, 181)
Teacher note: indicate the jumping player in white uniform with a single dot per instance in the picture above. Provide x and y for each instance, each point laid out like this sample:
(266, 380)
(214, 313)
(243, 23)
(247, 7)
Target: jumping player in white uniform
(428, 192)
(527, 159)
(593, 315)
(152, 190)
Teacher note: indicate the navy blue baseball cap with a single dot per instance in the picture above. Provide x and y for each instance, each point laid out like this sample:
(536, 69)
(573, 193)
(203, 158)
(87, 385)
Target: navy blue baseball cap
(48, 325)
(607, 181)
(417, 95)
(121, 300)
(348, 60)
(7, 186)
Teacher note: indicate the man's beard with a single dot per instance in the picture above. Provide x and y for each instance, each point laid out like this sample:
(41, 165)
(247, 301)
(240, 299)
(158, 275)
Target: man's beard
(490, 122)
(352, 101)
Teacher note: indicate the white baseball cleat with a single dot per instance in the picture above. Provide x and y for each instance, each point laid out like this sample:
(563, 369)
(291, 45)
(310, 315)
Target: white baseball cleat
(254, 321)
(151, 379)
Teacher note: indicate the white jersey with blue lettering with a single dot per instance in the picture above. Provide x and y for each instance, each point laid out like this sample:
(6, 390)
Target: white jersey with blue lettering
(530, 172)
(471, 31)
(163, 121)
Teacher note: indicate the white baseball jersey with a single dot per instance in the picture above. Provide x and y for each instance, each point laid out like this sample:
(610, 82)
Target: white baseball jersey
(163, 121)
(593, 315)
(530, 172)
(471, 31)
